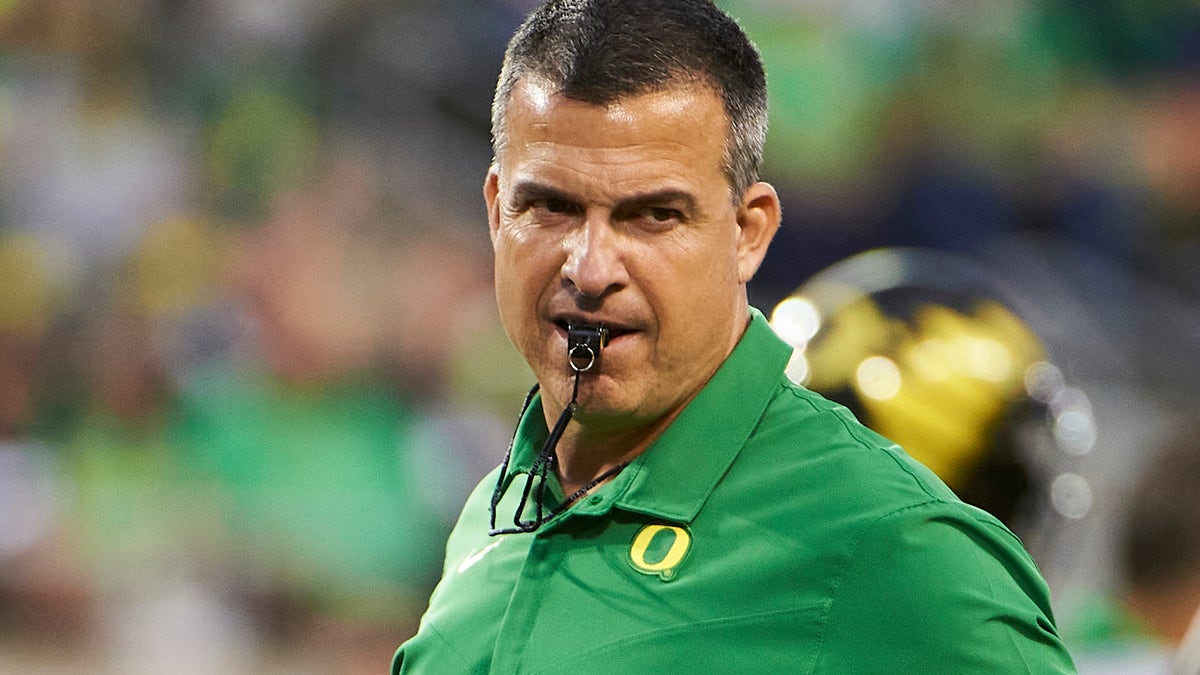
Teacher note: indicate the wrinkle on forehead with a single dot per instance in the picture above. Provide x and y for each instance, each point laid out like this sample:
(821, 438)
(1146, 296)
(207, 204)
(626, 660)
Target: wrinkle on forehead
(668, 139)
(540, 99)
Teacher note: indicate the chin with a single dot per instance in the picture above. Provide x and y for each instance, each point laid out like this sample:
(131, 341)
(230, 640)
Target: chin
(606, 398)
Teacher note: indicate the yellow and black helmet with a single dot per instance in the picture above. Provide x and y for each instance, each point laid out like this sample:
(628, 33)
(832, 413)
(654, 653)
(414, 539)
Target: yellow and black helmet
(930, 350)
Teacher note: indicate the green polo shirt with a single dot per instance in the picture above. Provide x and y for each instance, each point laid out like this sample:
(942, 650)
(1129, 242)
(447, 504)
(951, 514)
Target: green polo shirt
(765, 531)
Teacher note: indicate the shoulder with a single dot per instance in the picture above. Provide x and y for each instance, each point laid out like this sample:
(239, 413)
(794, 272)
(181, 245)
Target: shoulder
(470, 531)
(819, 445)
(940, 585)
(811, 445)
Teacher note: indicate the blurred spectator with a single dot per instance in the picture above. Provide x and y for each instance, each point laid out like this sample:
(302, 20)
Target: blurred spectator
(1161, 548)
(142, 526)
(335, 490)
(42, 592)
(1158, 600)
(89, 162)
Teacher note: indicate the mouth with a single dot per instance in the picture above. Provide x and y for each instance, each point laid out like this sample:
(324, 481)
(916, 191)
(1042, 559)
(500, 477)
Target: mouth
(614, 330)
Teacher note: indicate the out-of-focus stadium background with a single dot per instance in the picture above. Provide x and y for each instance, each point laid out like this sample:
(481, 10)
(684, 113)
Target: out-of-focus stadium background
(249, 361)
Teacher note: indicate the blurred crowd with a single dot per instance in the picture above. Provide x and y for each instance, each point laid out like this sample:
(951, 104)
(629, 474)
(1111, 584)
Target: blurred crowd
(249, 357)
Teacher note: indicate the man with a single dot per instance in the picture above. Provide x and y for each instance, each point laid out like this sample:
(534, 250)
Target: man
(670, 502)
(1160, 548)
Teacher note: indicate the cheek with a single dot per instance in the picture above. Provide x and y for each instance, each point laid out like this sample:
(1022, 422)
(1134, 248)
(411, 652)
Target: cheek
(525, 270)
(692, 292)
(510, 293)
(698, 277)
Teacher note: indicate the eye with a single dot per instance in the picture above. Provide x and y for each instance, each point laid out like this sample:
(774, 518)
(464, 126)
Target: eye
(659, 217)
(551, 208)
(662, 215)
(554, 205)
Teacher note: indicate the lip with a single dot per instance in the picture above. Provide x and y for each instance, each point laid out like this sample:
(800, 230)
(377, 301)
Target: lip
(616, 329)
(620, 332)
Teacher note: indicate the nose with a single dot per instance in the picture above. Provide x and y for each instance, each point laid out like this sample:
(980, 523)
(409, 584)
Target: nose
(595, 264)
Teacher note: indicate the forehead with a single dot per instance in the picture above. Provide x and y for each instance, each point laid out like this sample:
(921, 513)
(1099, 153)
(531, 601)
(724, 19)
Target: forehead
(680, 129)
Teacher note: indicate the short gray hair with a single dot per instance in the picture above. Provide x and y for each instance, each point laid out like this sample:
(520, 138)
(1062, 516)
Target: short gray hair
(599, 51)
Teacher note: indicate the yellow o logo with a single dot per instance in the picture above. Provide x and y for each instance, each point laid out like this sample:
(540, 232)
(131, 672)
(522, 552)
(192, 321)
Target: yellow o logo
(664, 563)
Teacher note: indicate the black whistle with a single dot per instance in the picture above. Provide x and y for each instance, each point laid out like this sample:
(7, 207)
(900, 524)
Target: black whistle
(584, 342)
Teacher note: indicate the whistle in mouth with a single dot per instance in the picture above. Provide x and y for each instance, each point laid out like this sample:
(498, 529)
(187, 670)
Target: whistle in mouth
(584, 342)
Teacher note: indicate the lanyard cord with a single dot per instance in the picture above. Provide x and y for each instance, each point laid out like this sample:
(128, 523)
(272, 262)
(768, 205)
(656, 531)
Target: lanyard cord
(498, 492)
(540, 470)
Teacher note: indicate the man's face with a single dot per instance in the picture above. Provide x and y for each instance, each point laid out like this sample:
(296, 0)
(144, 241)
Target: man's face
(622, 215)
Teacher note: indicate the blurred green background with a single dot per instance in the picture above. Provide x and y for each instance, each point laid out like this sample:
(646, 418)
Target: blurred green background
(249, 358)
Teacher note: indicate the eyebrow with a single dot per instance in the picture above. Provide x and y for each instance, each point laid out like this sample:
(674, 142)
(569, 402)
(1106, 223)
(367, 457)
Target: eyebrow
(526, 191)
(529, 191)
(684, 200)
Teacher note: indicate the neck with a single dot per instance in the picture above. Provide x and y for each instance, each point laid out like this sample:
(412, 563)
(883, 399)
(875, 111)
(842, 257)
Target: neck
(588, 448)
(592, 445)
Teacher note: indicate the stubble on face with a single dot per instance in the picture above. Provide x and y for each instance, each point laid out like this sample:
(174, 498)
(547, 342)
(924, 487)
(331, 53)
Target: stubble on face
(618, 214)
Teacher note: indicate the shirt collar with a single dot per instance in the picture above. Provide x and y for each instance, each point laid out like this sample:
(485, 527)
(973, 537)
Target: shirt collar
(674, 476)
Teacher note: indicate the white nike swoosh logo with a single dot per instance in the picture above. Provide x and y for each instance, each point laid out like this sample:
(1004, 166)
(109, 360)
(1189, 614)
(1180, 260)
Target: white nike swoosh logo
(469, 561)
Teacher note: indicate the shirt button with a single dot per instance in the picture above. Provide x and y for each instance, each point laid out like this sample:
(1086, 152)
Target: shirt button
(595, 499)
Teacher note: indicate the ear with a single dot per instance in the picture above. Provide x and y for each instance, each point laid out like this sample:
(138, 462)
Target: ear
(491, 197)
(758, 220)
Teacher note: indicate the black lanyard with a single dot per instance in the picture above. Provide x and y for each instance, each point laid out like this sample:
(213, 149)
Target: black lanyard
(584, 343)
